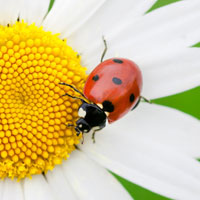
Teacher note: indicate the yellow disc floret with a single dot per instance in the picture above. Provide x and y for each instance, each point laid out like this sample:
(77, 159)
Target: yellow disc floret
(33, 114)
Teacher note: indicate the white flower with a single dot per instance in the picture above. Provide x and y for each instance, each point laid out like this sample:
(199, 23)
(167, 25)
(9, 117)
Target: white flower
(153, 146)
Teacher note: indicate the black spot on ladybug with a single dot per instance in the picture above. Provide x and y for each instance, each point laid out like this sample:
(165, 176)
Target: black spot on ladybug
(108, 106)
(117, 81)
(95, 78)
(118, 61)
(132, 98)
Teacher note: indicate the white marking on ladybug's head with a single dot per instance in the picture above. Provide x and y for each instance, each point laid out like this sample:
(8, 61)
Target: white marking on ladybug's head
(107, 114)
(80, 125)
(100, 105)
(81, 113)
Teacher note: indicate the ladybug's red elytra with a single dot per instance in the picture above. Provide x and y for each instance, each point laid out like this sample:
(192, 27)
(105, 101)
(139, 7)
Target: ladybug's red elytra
(116, 84)
(113, 88)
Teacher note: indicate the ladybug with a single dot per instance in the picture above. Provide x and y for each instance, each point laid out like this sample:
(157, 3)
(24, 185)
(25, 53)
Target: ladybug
(113, 88)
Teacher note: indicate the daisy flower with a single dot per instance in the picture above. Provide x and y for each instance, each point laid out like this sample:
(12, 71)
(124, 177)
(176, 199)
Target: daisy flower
(153, 146)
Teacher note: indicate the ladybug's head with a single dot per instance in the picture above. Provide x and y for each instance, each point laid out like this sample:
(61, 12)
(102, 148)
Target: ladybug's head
(92, 118)
(82, 126)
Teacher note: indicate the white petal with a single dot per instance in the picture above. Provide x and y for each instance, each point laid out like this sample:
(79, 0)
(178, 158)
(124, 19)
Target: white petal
(172, 25)
(59, 185)
(1, 188)
(164, 125)
(37, 188)
(67, 16)
(91, 181)
(131, 149)
(12, 190)
(113, 15)
(169, 72)
(9, 11)
(34, 11)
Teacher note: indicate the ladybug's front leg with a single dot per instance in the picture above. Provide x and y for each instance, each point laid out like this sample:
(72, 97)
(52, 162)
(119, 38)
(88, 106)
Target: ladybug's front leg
(78, 132)
(70, 125)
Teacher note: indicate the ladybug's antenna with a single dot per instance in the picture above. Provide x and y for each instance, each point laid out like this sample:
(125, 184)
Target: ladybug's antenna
(62, 83)
(105, 49)
(73, 97)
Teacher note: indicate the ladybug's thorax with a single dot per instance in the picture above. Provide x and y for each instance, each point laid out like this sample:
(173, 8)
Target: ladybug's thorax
(116, 83)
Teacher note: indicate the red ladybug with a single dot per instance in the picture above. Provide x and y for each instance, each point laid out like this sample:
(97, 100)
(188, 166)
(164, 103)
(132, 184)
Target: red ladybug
(115, 85)
(113, 88)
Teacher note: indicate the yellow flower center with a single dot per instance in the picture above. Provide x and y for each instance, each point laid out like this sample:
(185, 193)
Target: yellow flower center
(33, 115)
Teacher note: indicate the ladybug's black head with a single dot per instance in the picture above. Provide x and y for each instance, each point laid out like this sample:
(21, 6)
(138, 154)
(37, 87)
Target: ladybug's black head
(92, 118)
(82, 126)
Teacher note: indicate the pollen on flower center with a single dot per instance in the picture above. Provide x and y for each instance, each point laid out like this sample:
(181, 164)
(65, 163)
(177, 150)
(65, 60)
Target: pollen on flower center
(33, 134)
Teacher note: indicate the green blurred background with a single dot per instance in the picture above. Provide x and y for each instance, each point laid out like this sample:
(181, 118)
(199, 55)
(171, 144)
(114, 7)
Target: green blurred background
(187, 102)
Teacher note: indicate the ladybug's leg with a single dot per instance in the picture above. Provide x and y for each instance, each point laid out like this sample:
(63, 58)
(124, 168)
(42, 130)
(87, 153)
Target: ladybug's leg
(62, 83)
(78, 132)
(145, 99)
(105, 49)
(70, 125)
(93, 134)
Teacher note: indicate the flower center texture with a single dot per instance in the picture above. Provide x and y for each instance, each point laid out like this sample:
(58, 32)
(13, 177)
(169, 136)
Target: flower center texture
(33, 114)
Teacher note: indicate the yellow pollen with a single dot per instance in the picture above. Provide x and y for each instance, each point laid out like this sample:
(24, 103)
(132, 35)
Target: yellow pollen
(33, 114)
